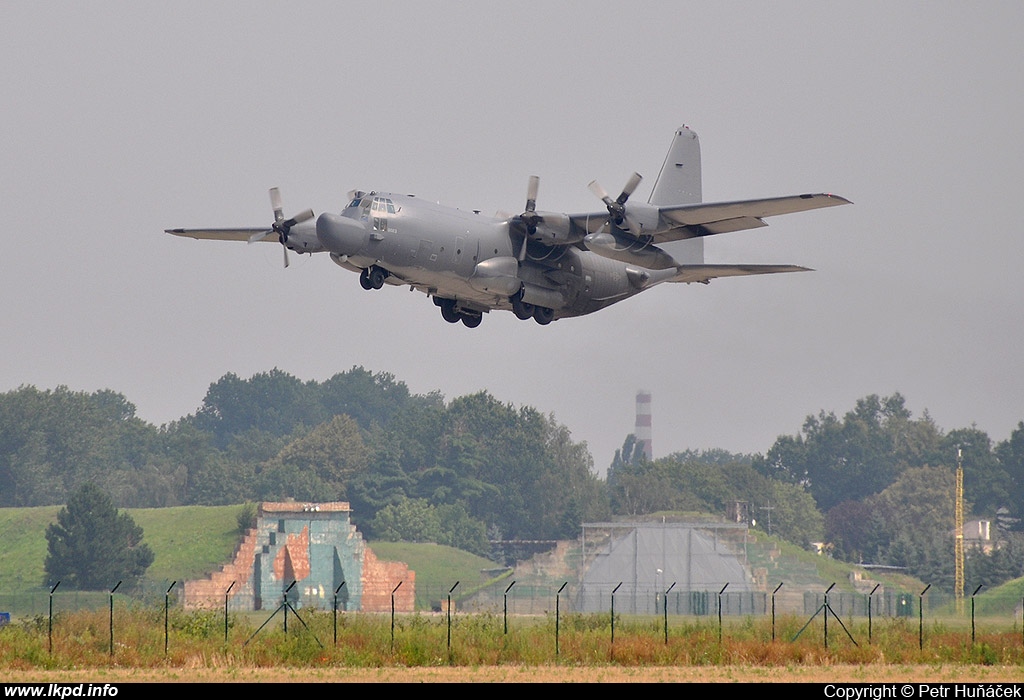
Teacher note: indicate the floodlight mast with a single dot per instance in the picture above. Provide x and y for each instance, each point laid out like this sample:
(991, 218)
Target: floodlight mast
(958, 586)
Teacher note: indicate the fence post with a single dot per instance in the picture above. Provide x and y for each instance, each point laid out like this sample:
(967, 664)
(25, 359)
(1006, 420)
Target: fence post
(972, 611)
(826, 611)
(506, 605)
(49, 633)
(393, 615)
(558, 595)
(920, 617)
(666, 609)
(336, 613)
(613, 610)
(285, 605)
(720, 611)
(870, 601)
(226, 593)
(773, 609)
(112, 617)
(450, 615)
(167, 607)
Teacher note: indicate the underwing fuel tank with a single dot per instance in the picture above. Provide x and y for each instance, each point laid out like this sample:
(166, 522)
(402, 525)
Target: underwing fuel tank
(498, 275)
(629, 250)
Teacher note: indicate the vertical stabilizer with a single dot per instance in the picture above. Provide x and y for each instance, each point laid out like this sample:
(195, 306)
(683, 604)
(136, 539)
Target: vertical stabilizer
(679, 182)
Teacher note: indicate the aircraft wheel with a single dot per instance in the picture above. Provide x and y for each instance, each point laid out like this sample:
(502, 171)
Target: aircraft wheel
(448, 312)
(364, 279)
(543, 315)
(472, 320)
(521, 309)
(376, 277)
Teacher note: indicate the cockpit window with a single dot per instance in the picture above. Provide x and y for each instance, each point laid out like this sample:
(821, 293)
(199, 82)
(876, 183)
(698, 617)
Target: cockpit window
(354, 203)
(381, 208)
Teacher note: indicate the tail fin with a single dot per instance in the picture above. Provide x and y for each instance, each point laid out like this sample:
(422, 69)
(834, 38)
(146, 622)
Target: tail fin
(679, 182)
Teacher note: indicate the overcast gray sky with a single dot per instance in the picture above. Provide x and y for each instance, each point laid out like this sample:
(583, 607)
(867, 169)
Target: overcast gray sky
(121, 119)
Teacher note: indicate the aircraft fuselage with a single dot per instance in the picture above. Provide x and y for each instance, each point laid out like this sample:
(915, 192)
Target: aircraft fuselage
(467, 258)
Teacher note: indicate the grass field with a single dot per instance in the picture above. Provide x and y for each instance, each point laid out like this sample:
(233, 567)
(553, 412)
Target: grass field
(833, 673)
(366, 648)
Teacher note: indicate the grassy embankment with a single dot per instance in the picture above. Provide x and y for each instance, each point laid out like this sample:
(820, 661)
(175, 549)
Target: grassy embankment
(189, 542)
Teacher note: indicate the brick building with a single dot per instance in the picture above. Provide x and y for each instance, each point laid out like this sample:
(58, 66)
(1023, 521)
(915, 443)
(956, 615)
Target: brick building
(314, 545)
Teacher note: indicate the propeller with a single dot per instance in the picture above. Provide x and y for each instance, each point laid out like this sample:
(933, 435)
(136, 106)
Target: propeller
(530, 217)
(281, 225)
(617, 206)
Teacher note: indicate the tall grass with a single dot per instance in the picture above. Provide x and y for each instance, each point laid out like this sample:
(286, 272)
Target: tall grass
(82, 639)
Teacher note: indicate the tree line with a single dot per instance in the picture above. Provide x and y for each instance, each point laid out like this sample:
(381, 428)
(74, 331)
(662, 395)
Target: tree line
(875, 486)
(461, 472)
(874, 483)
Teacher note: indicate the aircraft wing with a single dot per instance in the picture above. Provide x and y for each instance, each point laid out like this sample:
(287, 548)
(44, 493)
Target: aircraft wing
(697, 220)
(221, 234)
(682, 221)
(706, 273)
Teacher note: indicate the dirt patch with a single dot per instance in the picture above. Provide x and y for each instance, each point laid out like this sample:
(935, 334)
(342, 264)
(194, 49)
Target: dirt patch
(536, 674)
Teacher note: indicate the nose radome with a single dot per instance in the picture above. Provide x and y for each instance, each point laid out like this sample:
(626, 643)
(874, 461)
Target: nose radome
(339, 234)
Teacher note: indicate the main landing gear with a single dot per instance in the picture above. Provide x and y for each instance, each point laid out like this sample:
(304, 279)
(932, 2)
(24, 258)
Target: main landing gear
(450, 314)
(524, 310)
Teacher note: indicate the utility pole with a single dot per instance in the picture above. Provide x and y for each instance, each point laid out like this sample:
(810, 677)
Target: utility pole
(768, 508)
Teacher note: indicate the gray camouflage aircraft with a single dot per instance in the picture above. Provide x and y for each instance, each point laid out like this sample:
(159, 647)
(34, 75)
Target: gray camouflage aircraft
(537, 264)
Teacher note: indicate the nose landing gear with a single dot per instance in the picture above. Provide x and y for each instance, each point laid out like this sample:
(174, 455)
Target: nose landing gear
(373, 277)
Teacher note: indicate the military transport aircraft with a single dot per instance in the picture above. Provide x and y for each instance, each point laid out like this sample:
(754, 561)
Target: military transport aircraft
(537, 264)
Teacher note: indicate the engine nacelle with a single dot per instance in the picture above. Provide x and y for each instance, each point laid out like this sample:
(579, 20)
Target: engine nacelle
(555, 229)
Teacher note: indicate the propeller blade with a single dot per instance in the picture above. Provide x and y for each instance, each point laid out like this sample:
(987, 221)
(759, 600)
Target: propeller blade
(530, 217)
(617, 207)
(281, 225)
(298, 219)
(630, 188)
(531, 193)
(601, 192)
(276, 205)
(260, 236)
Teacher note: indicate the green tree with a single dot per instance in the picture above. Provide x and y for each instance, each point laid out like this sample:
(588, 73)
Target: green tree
(987, 483)
(850, 459)
(53, 441)
(92, 546)
(409, 520)
(1011, 458)
(914, 524)
(274, 402)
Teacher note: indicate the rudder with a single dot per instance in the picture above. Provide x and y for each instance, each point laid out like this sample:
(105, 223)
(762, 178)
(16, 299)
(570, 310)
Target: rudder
(679, 182)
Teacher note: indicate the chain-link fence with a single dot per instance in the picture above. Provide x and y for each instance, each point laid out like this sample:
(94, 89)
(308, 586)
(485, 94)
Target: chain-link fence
(517, 598)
